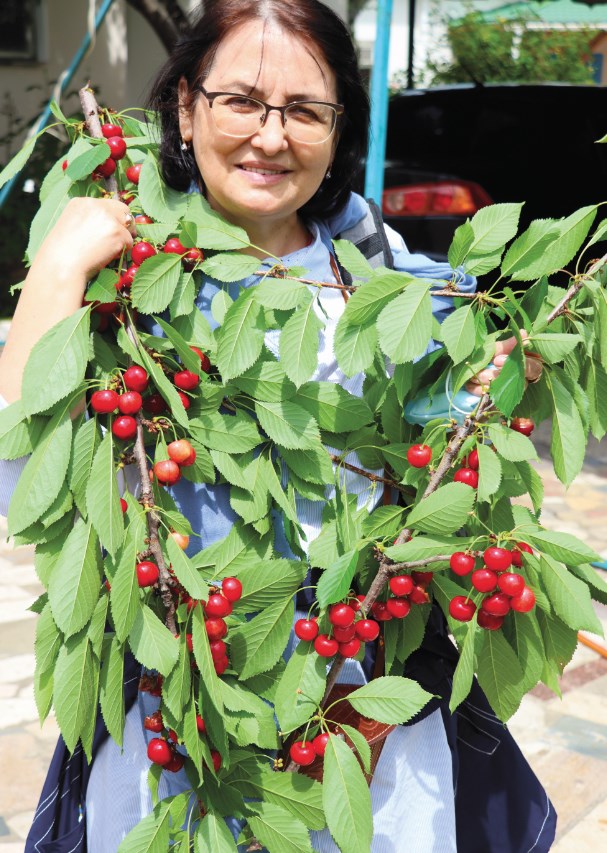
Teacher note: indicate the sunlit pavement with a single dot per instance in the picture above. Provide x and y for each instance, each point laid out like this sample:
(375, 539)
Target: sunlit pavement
(565, 740)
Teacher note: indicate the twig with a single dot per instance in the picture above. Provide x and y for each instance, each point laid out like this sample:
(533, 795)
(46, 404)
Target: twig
(375, 478)
(91, 114)
(350, 288)
(575, 289)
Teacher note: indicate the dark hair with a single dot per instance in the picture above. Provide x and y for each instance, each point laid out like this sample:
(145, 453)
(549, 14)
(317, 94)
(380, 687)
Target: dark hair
(313, 22)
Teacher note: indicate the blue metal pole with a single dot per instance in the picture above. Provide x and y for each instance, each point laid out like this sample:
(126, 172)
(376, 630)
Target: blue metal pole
(46, 114)
(374, 176)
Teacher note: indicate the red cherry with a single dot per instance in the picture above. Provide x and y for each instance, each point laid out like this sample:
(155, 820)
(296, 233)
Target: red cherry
(325, 646)
(176, 763)
(418, 595)
(320, 742)
(498, 559)
(355, 603)
(128, 277)
(167, 472)
(484, 580)
(154, 722)
(173, 736)
(117, 147)
(217, 605)
(524, 602)
(350, 649)
(523, 425)
(123, 505)
(186, 380)
(419, 455)
(173, 246)
(461, 563)
(64, 165)
(205, 364)
(306, 629)
(218, 649)
(422, 579)
(159, 751)
(380, 611)
(341, 615)
(154, 404)
(200, 724)
(511, 583)
(517, 553)
(488, 621)
(130, 402)
(192, 257)
(401, 585)
(107, 168)
(124, 427)
(181, 539)
(467, 476)
(141, 251)
(302, 752)
(142, 219)
(104, 402)
(231, 588)
(497, 604)
(147, 573)
(367, 629)
(110, 130)
(179, 450)
(133, 173)
(185, 400)
(136, 378)
(462, 608)
(216, 759)
(471, 460)
(125, 196)
(216, 629)
(344, 635)
(398, 607)
(221, 665)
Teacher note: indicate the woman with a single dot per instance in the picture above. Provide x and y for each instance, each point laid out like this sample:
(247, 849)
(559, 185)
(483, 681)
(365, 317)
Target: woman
(283, 170)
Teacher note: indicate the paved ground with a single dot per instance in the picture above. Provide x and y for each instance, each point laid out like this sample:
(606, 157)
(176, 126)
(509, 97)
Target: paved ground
(565, 740)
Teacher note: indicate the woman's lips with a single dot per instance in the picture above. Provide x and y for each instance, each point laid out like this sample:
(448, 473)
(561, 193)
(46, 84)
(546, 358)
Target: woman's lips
(263, 175)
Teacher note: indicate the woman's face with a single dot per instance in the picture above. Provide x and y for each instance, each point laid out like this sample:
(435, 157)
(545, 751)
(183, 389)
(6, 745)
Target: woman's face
(266, 176)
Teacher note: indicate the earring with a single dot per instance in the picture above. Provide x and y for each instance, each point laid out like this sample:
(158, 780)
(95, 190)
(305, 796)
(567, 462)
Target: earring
(185, 146)
(328, 175)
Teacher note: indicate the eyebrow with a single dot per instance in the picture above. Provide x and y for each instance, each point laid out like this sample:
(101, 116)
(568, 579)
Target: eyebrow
(246, 89)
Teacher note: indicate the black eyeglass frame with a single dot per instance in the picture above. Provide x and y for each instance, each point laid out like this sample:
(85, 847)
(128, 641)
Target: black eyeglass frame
(338, 110)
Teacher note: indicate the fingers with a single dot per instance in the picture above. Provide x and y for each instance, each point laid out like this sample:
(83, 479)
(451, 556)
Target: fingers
(506, 347)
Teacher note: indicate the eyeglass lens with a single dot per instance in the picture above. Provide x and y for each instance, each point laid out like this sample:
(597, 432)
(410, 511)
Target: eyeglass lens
(307, 121)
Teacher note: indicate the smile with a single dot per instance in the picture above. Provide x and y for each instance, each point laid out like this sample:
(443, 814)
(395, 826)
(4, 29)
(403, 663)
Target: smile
(258, 171)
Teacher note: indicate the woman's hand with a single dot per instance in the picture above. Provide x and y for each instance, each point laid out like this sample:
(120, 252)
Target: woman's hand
(479, 384)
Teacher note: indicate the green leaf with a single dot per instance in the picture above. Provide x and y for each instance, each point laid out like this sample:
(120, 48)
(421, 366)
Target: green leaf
(213, 232)
(282, 294)
(346, 799)
(240, 338)
(445, 510)
(111, 693)
(313, 465)
(57, 362)
(352, 259)
(489, 473)
(46, 218)
(177, 685)
(152, 643)
(368, 300)
(295, 793)
(560, 641)
(528, 249)
(85, 164)
(493, 227)
(507, 390)
(103, 497)
(230, 266)
(335, 581)
(383, 521)
(562, 546)
(421, 547)
(333, 408)
(124, 594)
(569, 596)
(76, 579)
(155, 283)
(360, 744)
(212, 833)
(258, 645)
(459, 335)
(568, 236)
(210, 686)
(568, 442)
(185, 572)
(16, 164)
(150, 835)
(190, 359)
(225, 432)
(389, 699)
(266, 381)
(596, 389)
(405, 324)
(183, 297)
(500, 675)
(464, 671)
(48, 641)
(18, 436)
(354, 345)
(235, 552)
(299, 344)
(460, 245)
(300, 688)
(554, 346)
(523, 633)
(533, 483)
(288, 425)
(157, 199)
(278, 829)
(512, 445)
(74, 687)
(267, 581)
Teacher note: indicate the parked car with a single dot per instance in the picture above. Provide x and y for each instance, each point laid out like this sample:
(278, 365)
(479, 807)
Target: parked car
(453, 149)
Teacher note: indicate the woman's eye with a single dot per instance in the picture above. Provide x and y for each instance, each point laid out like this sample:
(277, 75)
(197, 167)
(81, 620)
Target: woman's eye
(304, 114)
(241, 104)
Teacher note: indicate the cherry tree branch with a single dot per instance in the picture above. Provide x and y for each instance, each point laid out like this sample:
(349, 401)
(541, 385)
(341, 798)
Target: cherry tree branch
(575, 289)
(375, 478)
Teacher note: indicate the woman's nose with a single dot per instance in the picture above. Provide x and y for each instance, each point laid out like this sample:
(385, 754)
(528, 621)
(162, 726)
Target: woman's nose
(271, 136)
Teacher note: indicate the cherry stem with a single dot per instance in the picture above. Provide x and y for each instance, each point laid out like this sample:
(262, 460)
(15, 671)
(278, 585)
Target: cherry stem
(375, 478)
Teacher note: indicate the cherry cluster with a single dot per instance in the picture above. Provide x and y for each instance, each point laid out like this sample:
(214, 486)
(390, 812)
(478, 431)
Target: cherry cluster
(503, 590)
(130, 402)
(163, 750)
(181, 455)
(347, 633)
(143, 249)
(219, 605)
(305, 751)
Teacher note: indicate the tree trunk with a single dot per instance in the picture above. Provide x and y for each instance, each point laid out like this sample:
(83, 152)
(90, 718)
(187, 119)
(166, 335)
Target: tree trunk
(166, 17)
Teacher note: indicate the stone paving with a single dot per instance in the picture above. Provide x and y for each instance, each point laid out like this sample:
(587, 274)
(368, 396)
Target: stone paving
(564, 740)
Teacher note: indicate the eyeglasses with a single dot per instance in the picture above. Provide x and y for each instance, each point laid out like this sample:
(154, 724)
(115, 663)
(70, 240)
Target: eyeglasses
(240, 116)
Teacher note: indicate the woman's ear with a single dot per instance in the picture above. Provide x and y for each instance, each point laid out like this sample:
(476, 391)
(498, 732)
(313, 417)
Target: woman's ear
(185, 116)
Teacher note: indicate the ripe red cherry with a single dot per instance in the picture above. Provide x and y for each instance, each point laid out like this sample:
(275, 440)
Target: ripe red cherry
(185, 400)
(380, 612)
(133, 173)
(124, 427)
(461, 563)
(355, 603)
(154, 722)
(231, 588)
(498, 559)
(179, 450)
(497, 604)
(325, 646)
(401, 585)
(142, 219)
(344, 635)
(159, 751)
(422, 579)
(221, 665)
(484, 580)
(302, 752)
(104, 402)
(320, 742)
(123, 505)
(107, 168)
(419, 455)
(147, 573)
(200, 724)
(64, 165)
(511, 583)
(524, 602)
(350, 649)
(367, 629)
(217, 605)
(522, 425)
(218, 649)
(130, 402)
(136, 378)
(462, 608)
(216, 759)
(471, 460)
(192, 257)
(141, 251)
(127, 277)
(517, 556)
(173, 246)
(216, 629)
(117, 147)
(467, 476)
(205, 364)
(154, 404)
(398, 607)
(109, 130)
(176, 763)
(166, 471)
(341, 615)
(489, 621)
(418, 595)
(186, 380)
